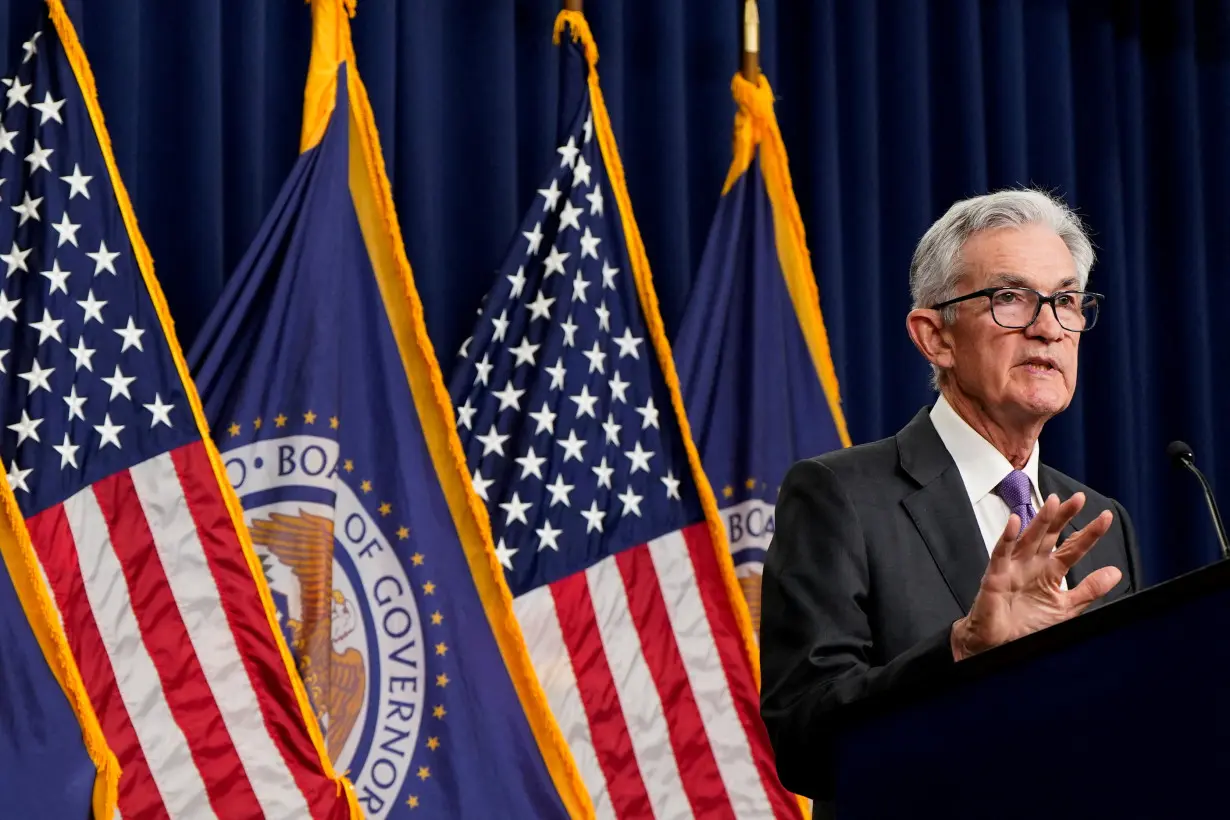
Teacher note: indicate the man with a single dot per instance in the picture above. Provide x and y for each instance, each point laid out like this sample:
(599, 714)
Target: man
(897, 558)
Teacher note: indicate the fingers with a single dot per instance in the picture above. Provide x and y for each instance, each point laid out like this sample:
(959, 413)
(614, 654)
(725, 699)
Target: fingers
(1075, 548)
(1095, 585)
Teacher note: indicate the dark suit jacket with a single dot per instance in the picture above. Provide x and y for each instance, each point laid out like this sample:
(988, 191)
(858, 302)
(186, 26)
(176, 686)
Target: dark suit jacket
(876, 552)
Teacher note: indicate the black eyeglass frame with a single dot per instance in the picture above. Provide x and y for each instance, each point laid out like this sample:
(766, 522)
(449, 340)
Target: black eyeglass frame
(989, 293)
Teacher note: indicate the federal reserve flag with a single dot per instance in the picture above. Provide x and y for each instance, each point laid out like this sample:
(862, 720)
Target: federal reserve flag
(752, 352)
(116, 499)
(608, 534)
(335, 429)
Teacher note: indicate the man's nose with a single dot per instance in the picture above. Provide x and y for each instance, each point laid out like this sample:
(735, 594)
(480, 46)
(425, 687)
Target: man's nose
(1046, 326)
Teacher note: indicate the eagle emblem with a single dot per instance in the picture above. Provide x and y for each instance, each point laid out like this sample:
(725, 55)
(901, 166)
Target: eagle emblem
(335, 680)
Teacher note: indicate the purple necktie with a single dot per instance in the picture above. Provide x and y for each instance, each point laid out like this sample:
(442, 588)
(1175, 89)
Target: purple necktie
(1015, 491)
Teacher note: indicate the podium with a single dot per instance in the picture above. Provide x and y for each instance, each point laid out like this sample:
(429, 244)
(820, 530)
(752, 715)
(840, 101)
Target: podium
(1122, 712)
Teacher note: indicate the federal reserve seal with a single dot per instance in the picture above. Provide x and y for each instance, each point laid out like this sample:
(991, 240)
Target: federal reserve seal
(345, 605)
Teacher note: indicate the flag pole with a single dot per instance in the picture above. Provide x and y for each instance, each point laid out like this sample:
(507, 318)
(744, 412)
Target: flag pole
(572, 5)
(751, 41)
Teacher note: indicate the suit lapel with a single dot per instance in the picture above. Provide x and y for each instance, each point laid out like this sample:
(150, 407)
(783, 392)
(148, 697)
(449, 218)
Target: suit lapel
(1048, 483)
(940, 509)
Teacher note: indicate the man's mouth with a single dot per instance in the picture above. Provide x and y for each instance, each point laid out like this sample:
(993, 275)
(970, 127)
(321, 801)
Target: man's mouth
(1041, 364)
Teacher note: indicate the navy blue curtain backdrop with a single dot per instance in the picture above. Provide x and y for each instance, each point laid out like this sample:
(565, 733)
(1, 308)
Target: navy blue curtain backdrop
(891, 110)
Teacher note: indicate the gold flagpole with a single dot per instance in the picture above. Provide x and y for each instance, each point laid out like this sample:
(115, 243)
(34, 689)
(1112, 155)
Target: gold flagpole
(751, 41)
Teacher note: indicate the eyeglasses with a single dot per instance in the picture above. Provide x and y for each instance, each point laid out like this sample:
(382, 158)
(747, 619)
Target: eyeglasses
(1016, 308)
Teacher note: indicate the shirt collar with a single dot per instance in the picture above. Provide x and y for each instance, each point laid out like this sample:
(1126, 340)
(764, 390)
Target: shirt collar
(981, 466)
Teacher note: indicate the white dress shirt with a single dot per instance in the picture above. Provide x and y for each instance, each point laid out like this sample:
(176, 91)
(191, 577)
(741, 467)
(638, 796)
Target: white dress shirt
(982, 467)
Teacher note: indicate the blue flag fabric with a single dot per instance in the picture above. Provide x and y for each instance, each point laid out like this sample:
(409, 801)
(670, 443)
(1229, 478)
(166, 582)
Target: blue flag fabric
(751, 353)
(384, 593)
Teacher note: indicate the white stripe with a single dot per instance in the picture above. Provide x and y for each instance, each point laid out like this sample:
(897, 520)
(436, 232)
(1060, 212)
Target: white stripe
(694, 637)
(200, 606)
(536, 613)
(162, 742)
(638, 696)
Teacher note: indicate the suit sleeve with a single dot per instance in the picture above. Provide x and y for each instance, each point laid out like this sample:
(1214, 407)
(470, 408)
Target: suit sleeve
(815, 636)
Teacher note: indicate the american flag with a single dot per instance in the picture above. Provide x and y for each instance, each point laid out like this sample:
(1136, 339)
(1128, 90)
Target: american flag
(571, 432)
(121, 499)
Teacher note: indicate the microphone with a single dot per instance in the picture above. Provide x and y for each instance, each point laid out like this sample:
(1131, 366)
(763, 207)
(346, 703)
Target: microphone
(1182, 456)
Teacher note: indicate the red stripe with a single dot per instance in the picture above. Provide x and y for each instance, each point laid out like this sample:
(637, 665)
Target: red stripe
(53, 542)
(170, 648)
(739, 679)
(702, 782)
(253, 634)
(575, 609)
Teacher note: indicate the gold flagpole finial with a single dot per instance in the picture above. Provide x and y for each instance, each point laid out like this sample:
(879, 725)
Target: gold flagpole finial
(751, 41)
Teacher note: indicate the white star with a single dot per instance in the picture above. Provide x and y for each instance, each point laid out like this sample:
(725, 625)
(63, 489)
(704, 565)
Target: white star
(546, 537)
(585, 402)
(595, 200)
(515, 510)
(649, 414)
(8, 307)
(481, 484)
(119, 384)
(672, 485)
(465, 346)
(465, 415)
(483, 369)
(509, 396)
(83, 355)
(67, 230)
(57, 277)
(572, 446)
(47, 327)
(639, 457)
(493, 442)
(104, 260)
(38, 157)
(504, 553)
(109, 432)
(568, 153)
(159, 411)
(37, 377)
(28, 209)
(17, 94)
(596, 357)
(578, 287)
(593, 517)
(77, 182)
(551, 195)
(92, 307)
(75, 404)
(557, 374)
(570, 216)
(608, 275)
(16, 259)
(49, 109)
(131, 336)
(535, 238)
(559, 491)
(554, 263)
(501, 326)
(524, 352)
(30, 47)
(3, 354)
(67, 451)
(531, 464)
(545, 419)
(619, 388)
(6, 139)
(570, 331)
(518, 282)
(627, 344)
(604, 316)
(604, 473)
(17, 478)
(589, 244)
(631, 501)
(611, 429)
(589, 126)
(581, 173)
(540, 308)
(26, 427)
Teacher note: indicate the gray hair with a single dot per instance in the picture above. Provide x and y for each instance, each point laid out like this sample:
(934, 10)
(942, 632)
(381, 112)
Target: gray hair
(937, 266)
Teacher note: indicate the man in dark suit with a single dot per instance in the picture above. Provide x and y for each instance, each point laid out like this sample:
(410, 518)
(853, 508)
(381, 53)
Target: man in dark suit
(894, 559)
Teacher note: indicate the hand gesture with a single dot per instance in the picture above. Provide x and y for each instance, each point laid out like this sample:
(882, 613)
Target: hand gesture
(1021, 589)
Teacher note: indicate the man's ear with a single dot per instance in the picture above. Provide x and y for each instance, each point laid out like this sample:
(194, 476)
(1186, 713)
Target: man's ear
(931, 337)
